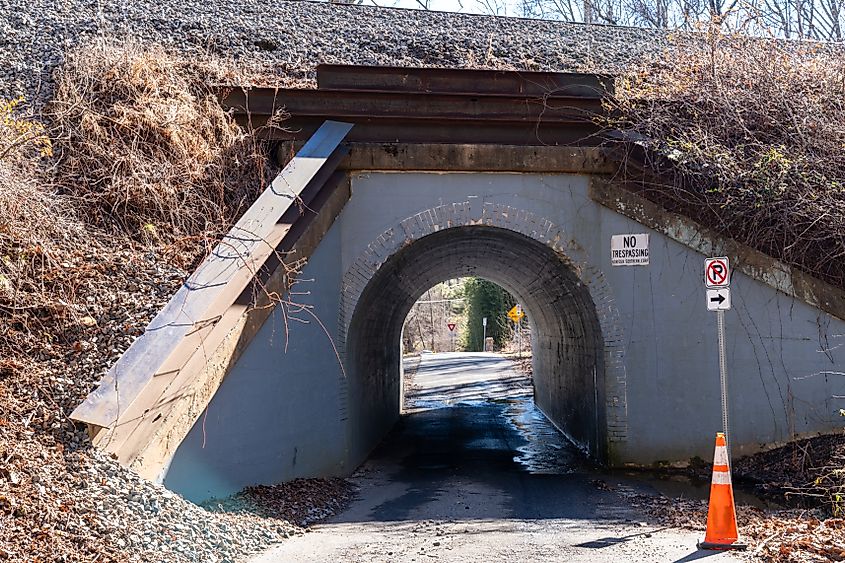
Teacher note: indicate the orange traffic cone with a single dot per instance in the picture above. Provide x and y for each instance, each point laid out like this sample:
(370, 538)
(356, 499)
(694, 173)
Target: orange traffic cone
(721, 514)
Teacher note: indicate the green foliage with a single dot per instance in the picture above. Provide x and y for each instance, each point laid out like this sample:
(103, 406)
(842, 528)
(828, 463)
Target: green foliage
(485, 299)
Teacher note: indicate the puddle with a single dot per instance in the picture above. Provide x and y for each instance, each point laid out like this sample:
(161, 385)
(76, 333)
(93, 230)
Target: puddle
(546, 451)
(540, 448)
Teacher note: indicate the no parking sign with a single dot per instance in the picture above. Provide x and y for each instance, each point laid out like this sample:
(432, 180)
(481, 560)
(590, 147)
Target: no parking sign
(717, 272)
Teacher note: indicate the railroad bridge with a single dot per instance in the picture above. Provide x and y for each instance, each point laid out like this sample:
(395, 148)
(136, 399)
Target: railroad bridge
(397, 179)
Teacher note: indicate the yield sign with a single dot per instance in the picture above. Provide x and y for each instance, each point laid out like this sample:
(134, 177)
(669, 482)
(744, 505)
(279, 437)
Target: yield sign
(717, 272)
(451, 326)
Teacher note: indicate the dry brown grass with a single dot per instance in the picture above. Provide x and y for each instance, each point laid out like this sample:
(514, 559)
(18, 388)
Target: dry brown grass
(756, 130)
(148, 170)
(142, 148)
(145, 147)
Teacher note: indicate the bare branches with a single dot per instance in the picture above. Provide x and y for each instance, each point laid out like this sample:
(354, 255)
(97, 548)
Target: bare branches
(790, 19)
(143, 144)
(756, 128)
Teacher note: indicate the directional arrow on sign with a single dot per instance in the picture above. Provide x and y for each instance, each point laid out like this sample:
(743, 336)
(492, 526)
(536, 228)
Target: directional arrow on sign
(719, 299)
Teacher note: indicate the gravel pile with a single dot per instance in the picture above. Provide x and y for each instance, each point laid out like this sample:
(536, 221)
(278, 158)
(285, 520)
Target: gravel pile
(275, 40)
(60, 499)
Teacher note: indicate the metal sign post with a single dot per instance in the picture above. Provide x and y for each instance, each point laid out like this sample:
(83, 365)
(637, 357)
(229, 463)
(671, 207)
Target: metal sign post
(723, 376)
(484, 337)
(516, 314)
(717, 278)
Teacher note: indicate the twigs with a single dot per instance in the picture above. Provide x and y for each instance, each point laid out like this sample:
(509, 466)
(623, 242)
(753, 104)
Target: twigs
(144, 144)
(754, 131)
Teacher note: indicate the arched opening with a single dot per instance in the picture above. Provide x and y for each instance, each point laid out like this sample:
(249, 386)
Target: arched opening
(567, 342)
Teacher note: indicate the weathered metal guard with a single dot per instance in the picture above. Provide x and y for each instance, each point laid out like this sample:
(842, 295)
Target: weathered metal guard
(167, 376)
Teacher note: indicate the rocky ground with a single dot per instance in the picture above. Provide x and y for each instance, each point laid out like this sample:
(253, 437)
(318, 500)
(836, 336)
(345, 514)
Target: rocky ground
(277, 41)
(60, 500)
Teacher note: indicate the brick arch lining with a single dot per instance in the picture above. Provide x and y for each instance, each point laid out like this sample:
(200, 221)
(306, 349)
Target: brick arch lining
(579, 380)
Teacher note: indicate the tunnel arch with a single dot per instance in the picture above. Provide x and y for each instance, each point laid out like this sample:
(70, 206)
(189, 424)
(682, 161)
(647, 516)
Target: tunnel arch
(571, 349)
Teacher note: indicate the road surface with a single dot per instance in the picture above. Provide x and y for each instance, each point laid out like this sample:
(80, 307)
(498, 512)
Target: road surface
(474, 472)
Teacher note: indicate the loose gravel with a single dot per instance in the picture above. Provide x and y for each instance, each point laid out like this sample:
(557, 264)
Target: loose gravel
(275, 40)
(62, 500)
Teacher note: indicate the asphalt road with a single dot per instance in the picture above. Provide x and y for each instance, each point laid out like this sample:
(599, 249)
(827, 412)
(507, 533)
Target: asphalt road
(473, 472)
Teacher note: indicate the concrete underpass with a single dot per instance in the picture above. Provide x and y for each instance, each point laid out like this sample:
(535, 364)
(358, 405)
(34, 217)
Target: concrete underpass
(254, 374)
(626, 357)
(568, 342)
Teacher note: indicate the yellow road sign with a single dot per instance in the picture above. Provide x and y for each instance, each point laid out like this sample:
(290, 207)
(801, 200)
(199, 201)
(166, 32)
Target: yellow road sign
(516, 313)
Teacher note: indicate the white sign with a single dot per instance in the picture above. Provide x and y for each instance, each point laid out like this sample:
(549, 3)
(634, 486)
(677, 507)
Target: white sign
(629, 250)
(719, 299)
(717, 272)
(484, 321)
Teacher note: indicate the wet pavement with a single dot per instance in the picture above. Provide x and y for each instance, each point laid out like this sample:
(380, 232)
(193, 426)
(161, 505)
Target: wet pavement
(474, 472)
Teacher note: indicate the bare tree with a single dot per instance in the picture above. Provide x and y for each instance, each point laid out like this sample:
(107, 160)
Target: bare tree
(790, 19)
(492, 7)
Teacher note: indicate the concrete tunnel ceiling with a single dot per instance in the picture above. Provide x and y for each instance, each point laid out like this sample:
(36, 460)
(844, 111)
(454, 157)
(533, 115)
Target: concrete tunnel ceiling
(566, 337)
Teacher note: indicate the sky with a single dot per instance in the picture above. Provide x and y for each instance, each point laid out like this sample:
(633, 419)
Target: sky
(507, 7)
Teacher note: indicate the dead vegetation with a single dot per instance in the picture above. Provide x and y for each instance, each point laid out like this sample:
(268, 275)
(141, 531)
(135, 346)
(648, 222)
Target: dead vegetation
(144, 146)
(132, 171)
(809, 472)
(784, 536)
(749, 134)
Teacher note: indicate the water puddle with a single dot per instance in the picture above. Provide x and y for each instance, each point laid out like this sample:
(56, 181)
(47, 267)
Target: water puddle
(546, 451)
(539, 448)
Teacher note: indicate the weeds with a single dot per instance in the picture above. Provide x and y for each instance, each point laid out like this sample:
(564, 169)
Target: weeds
(145, 147)
(754, 131)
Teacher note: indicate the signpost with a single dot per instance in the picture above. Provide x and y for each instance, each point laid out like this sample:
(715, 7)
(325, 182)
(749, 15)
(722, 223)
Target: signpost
(721, 513)
(717, 278)
(516, 314)
(484, 338)
(451, 327)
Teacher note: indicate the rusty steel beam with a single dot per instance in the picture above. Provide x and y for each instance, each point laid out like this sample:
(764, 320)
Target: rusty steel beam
(352, 104)
(453, 81)
(410, 130)
(412, 105)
